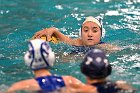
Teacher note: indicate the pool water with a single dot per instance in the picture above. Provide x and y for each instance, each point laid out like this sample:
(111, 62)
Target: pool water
(20, 19)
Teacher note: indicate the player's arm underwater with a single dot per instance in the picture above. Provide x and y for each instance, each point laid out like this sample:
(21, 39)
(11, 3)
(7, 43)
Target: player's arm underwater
(125, 86)
(108, 47)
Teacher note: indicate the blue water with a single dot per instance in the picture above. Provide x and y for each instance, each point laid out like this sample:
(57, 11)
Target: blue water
(20, 19)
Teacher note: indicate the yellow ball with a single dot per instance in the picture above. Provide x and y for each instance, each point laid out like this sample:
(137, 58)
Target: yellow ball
(53, 39)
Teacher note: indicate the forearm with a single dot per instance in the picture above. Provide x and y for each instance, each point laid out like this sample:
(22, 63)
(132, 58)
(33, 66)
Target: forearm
(49, 32)
(61, 36)
(64, 38)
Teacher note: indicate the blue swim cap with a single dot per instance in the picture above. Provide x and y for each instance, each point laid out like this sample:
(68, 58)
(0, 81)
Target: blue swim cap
(39, 55)
(95, 64)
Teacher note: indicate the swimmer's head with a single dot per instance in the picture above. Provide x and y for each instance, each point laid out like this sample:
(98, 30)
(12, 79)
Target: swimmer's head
(39, 55)
(95, 65)
(98, 21)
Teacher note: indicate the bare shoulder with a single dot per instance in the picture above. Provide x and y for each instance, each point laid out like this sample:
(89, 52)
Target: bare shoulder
(70, 80)
(28, 85)
(24, 82)
(83, 89)
(76, 86)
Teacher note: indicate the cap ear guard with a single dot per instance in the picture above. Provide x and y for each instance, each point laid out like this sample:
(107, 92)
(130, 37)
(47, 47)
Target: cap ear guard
(39, 55)
(49, 56)
(103, 33)
(29, 55)
(102, 29)
(80, 30)
(28, 58)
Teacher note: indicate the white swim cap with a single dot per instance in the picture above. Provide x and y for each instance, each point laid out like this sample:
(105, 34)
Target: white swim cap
(39, 55)
(92, 19)
(96, 20)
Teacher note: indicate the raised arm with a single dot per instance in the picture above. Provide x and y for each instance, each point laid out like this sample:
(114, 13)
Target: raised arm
(49, 32)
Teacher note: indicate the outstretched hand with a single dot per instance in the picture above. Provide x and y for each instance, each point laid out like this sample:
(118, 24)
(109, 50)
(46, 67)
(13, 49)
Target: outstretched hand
(39, 34)
(48, 33)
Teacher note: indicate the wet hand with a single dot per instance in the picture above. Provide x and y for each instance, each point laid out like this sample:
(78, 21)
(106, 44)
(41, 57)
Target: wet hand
(48, 32)
(38, 34)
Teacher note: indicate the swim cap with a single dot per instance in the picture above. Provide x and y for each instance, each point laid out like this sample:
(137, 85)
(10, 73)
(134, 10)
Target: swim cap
(98, 21)
(95, 64)
(92, 19)
(39, 55)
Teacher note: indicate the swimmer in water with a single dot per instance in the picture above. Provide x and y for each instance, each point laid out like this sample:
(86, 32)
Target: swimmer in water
(91, 33)
(96, 67)
(40, 58)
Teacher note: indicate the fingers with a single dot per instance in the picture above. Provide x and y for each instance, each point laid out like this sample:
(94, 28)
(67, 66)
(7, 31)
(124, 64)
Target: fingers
(39, 34)
(36, 35)
(43, 34)
(48, 32)
(44, 38)
(49, 38)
